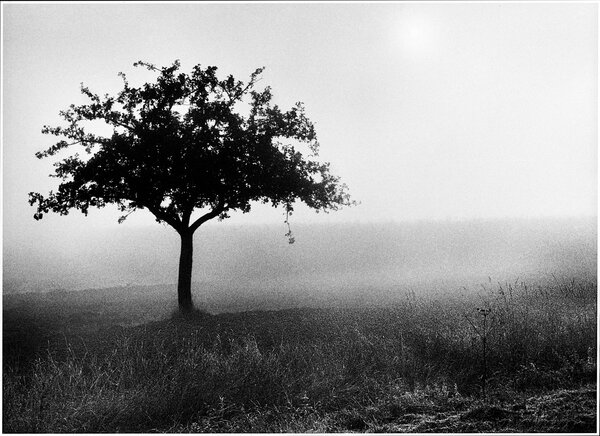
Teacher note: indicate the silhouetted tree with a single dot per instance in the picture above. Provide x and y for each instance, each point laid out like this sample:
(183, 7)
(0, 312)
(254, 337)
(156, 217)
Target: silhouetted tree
(188, 142)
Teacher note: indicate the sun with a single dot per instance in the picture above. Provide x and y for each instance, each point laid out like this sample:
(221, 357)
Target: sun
(415, 35)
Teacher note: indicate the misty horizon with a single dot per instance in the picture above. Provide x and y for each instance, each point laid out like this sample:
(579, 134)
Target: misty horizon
(324, 257)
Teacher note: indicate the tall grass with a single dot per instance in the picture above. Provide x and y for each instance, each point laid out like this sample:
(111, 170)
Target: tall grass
(307, 369)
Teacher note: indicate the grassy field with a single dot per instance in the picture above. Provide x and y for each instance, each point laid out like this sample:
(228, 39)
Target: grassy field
(417, 365)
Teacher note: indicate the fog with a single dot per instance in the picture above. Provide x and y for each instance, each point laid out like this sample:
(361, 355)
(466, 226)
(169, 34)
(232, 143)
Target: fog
(431, 112)
(368, 260)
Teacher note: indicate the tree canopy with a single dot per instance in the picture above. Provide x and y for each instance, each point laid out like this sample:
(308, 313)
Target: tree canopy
(188, 142)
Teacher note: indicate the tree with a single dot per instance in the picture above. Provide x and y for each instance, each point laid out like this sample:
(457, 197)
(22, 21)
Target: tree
(186, 143)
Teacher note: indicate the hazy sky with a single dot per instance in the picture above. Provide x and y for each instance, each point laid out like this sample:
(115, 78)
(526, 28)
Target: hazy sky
(426, 111)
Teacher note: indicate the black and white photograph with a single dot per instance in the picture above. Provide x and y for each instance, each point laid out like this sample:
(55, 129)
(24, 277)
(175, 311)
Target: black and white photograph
(299, 217)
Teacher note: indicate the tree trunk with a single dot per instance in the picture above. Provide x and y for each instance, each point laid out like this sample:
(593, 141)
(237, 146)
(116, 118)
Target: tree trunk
(184, 284)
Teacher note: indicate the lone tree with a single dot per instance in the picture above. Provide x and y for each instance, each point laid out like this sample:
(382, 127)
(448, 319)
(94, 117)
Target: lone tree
(187, 143)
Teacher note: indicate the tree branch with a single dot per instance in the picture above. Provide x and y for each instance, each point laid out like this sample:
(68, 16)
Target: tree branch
(170, 220)
(185, 217)
(120, 123)
(220, 208)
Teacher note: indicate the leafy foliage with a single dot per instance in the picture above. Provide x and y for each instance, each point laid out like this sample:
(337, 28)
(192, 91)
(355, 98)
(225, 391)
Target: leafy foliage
(182, 143)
